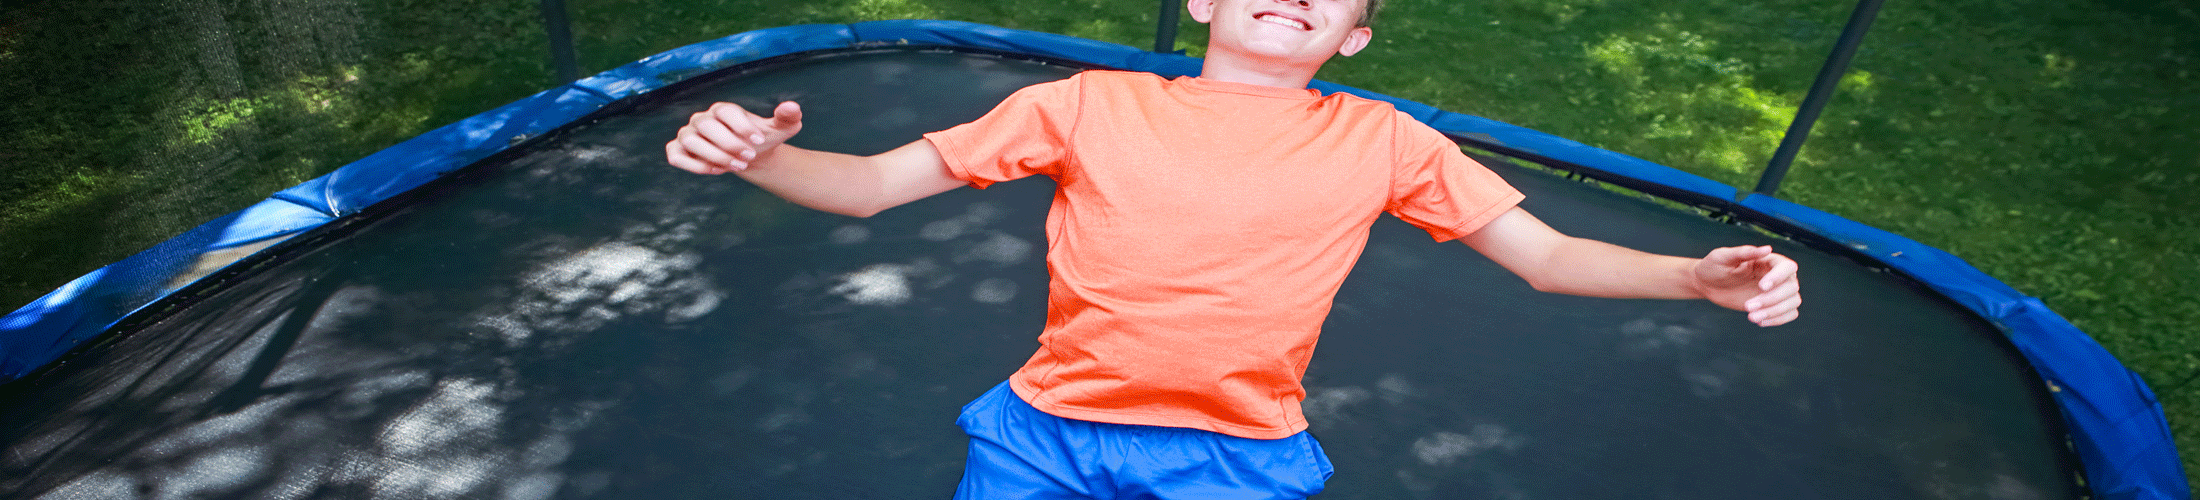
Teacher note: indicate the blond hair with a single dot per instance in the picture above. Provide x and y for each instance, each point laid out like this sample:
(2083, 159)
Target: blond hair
(1367, 12)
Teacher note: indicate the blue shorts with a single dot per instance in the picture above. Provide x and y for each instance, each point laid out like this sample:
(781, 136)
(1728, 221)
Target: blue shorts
(1019, 452)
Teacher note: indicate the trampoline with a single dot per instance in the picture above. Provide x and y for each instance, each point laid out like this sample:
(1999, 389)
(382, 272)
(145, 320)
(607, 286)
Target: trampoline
(568, 317)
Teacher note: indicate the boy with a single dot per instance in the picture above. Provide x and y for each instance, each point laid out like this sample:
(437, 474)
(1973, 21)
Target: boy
(1200, 228)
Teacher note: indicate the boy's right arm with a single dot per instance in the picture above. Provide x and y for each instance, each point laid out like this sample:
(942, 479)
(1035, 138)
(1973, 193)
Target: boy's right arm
(726, 138)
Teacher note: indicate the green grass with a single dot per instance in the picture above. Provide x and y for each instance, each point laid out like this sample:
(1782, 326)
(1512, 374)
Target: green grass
(2052, 144)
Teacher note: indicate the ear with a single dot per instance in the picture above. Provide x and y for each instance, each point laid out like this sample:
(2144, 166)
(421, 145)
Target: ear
(1202, 10)
(1355, 40)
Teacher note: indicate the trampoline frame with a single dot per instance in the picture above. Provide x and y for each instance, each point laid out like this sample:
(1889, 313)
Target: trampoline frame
(2116, 427)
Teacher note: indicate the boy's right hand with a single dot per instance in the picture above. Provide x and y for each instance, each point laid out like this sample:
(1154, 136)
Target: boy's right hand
(726, 138)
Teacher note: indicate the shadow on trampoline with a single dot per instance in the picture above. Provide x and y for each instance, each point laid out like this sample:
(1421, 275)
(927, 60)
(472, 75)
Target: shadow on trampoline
(574, 319)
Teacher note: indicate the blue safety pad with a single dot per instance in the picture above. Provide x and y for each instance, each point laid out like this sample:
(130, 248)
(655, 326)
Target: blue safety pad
(1546, 145)
(2117, 426)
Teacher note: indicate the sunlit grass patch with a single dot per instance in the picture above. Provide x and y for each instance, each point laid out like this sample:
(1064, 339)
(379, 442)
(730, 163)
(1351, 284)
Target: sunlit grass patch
(876, 10)
(7, 43)
(1676, 90)
(57, 194)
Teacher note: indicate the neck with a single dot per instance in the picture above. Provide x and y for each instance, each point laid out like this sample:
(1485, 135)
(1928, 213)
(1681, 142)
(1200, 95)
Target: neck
(1221, 67)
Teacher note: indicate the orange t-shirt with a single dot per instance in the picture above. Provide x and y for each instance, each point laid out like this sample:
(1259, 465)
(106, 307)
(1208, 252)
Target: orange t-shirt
(1200, 231)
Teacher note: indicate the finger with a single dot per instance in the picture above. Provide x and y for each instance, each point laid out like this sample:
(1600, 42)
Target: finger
(1783, 271)
(740, 121)
(716, 131)
(1789, 309)
(1775, 301)
(1784, 307)
(1720, 257)
(1781, 319)
(787, 116)
(1786, 292)
(702, 149)
(747, 128)
(726, 140)
(1733, 257)
(677, 155)
(1789, 304)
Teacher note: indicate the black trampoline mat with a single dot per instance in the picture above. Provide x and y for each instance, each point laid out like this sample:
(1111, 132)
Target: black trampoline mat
(575, 319)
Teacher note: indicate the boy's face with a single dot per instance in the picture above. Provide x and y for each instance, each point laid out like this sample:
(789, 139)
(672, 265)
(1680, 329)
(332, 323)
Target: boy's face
(1289, 32)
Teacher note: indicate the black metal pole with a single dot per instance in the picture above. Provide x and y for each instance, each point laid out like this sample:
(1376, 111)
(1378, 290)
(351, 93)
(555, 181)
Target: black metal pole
(1164, 33)
(1829, 78)
(561, 40)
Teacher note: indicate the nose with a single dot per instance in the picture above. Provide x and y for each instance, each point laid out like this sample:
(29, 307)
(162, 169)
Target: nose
(1300, 3)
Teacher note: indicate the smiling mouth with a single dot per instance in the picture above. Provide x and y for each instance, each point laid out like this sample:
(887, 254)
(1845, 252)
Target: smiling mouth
(1280, 20)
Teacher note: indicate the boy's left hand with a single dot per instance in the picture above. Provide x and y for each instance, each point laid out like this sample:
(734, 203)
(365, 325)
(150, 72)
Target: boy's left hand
(1754, 280)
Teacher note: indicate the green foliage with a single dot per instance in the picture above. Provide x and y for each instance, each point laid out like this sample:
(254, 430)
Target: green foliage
(2052, 144)
(876, 10)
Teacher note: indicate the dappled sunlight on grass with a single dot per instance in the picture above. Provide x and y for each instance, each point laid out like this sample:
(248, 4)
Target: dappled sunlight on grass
(7, 43)
(1102, 29)
(1674, 89)
(207, 119)
(875, 10)
(1567, 11)
(65, 190)
(2056, 69)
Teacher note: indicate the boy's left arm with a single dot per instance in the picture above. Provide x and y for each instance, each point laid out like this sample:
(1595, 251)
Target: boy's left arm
(1750, 279)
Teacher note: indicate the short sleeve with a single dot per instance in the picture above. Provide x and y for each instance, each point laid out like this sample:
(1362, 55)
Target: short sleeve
(1436, 187)
(1026, 134)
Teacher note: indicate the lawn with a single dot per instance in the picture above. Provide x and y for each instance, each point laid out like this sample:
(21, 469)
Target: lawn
(2052, 144)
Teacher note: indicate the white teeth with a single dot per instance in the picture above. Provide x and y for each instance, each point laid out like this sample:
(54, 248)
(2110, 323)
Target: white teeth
(1283, 21)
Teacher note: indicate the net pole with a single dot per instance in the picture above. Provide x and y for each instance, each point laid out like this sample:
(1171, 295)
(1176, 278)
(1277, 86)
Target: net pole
(1829, 78)
(560, 29)
(1164, 33)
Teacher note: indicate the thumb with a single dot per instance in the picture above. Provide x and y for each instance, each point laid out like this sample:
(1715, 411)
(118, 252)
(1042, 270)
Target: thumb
(1730, 262)
(787, 116)
(1735, 256)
